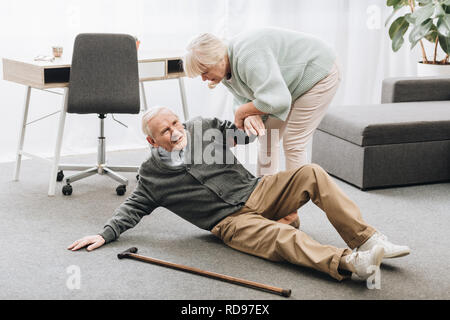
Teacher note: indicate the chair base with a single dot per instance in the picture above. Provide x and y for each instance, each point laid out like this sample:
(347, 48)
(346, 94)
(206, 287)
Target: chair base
(101, 169)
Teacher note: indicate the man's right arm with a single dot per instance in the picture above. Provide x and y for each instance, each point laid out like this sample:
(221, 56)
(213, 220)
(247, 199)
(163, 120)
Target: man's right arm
(127, 215)
(231, 134)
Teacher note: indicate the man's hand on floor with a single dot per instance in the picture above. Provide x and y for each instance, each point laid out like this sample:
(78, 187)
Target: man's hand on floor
(93, 241)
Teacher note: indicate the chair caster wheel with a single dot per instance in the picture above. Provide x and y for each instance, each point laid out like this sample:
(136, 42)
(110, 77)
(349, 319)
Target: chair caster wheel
(120, 190)
(67, 190)
(60, 176)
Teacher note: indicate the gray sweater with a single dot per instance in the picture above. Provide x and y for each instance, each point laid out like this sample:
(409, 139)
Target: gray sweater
(209, 186)
(272, 67)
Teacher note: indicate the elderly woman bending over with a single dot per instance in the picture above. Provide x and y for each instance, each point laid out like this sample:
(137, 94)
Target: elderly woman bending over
(283, 82)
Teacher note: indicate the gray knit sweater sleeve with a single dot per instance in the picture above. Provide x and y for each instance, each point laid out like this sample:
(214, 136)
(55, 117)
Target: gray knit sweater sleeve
(262, 74)
(139, 204)
(231, 134)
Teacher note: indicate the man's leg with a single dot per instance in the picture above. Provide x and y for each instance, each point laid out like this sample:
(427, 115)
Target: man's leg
(279, 195)
(249, 232)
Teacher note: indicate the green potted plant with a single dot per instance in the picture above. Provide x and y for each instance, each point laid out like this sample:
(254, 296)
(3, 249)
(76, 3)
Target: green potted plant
(429, 20)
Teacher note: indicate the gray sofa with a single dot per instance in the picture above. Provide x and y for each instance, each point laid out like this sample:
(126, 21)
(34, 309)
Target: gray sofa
(404, 140)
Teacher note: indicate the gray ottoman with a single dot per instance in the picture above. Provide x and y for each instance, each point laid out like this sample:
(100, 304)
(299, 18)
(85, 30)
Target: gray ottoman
(389, 144)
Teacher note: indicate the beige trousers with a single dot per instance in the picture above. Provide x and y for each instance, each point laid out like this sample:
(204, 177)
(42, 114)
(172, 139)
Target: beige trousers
(297, 131)
(254, 229)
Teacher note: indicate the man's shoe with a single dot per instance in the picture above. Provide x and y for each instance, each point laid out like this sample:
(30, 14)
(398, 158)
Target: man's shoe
(390, 250)
(365, 263)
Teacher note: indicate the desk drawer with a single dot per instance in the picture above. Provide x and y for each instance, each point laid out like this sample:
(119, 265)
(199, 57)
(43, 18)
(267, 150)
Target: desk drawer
(37, 74)
(152, 69)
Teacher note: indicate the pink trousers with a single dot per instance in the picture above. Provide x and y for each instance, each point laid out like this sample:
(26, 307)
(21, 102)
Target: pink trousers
(297, 131)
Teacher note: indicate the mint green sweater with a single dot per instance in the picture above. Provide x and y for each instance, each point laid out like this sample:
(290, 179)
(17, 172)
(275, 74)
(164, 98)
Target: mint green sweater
(272, 67)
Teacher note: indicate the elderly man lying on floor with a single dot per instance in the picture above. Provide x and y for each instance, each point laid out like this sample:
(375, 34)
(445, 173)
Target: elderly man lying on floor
(193, 173)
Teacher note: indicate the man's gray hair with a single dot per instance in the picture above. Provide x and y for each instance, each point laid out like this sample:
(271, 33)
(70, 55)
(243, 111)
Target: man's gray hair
(149, 115)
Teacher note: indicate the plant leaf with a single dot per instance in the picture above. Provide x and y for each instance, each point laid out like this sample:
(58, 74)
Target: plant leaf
(397, 7)
(439, 11)
(397, 42)
(420, 31)
(409, 19)
(432, 34)
(446, 7)
(423, 13)
(391, 3)
(400, 25)
(445, 44)
(443, 26)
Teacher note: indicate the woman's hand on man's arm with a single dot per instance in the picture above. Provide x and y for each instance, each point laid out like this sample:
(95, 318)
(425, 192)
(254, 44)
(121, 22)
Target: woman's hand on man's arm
(245, 111)
(253, 125)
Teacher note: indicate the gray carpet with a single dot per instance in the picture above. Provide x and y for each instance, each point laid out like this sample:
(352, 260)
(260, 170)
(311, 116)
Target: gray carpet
(36, 229)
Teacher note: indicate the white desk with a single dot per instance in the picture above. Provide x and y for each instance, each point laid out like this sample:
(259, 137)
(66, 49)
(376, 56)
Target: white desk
(44, 75)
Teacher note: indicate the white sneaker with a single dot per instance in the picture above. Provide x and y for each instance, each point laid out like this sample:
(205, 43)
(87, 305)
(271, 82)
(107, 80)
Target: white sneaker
(365, 263)
(390, 250)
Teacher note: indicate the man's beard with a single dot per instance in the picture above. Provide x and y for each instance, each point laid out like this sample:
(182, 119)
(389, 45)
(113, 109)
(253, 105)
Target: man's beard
(180, 145)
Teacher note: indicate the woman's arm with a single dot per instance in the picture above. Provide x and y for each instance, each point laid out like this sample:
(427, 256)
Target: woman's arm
(262, 75)
(244, 111)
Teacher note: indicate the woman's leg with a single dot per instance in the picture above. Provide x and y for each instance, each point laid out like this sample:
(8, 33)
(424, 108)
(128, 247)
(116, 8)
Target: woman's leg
(269, 147)
(305, 115)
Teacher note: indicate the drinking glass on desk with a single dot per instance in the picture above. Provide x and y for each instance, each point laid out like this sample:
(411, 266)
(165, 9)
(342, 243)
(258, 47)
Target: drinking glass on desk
(57, 51)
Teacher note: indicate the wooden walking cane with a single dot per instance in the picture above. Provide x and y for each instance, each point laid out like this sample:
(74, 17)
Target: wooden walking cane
(131, 254)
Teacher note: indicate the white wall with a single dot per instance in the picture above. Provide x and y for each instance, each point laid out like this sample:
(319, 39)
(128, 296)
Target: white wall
(28, 28)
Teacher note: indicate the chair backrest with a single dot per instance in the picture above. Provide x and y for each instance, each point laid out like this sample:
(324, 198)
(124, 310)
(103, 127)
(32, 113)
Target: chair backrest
(104, 74)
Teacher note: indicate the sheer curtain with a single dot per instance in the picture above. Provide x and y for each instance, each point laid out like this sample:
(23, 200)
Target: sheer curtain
(354, 28)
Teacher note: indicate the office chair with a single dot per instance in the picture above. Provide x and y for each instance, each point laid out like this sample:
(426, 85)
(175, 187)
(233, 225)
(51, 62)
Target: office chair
(103, 79)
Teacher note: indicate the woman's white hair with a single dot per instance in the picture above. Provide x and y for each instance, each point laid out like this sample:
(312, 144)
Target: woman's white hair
(203, 52)
(149, 115)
